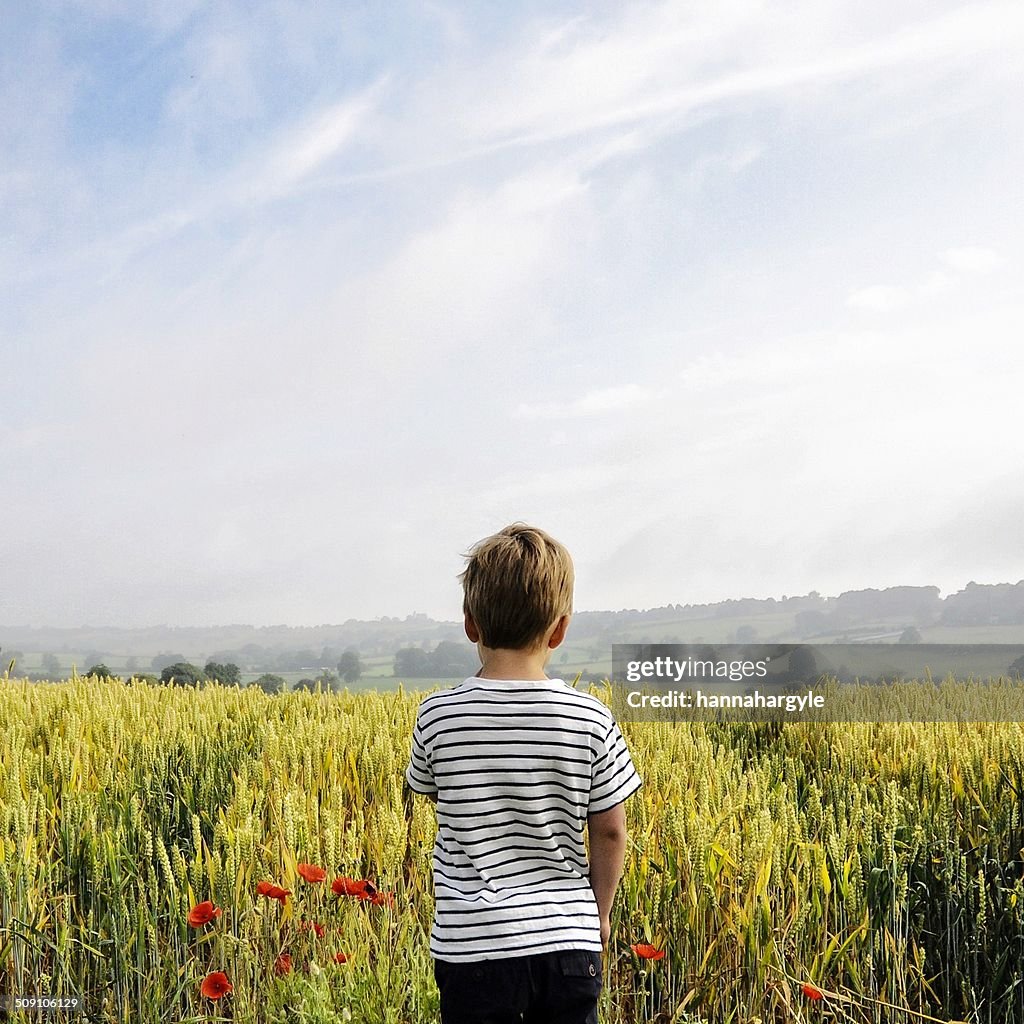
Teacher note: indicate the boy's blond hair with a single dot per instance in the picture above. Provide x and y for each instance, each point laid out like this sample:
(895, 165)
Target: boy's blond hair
(517, 584)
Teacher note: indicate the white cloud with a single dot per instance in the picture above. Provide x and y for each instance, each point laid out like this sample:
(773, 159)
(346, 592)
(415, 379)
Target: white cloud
(315, 143)
(595, 403)
(879, 298)
(935, 284)
(510, 490)
(657, 63)
(462, 283)
(972, 259)
(945, 281)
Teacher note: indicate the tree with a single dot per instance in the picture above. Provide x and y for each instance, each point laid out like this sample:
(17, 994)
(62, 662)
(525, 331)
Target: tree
(1017, 668)
(131, 665)
(456, 659)
(296, 661)
(228, 675)
(350, 667)
(449, 660)
(270, 683)
(911, 635)
(803, 666)
(181, 674)
(51, 666)
(328, 681)
(411, 663)
(100, 670)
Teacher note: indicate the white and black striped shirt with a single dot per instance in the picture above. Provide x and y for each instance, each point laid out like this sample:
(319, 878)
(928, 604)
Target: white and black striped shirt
(516, 766)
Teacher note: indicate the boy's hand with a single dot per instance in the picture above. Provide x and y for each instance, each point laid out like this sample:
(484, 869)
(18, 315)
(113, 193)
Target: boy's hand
(606, 932)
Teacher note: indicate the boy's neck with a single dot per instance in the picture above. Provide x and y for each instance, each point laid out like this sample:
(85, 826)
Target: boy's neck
(501, 663)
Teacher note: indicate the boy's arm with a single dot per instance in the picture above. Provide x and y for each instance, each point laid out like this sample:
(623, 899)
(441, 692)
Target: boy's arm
(408, 791)
(607, 832)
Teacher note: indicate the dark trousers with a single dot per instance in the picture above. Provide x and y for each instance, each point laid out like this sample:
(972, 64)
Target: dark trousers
(546, 988)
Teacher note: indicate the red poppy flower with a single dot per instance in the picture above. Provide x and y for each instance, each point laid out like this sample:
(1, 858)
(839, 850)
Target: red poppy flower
(272, 892)
(203, 913)
(346, 886)
(314, 926)
(311, 873)
(215, 985)
(341, 958)
(283, 964)
(646, 952)
(810, 991)
(381, 899)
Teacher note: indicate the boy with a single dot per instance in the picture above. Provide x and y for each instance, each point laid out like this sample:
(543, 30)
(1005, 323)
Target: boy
(517, 764)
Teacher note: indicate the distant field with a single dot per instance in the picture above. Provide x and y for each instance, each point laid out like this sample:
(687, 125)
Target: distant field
(589, 654)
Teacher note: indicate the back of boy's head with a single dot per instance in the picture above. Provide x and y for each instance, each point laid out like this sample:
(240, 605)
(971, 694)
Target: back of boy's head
(517, 584)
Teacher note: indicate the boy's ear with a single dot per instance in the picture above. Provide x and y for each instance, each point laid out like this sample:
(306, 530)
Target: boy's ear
(472, 633)
(559, 632)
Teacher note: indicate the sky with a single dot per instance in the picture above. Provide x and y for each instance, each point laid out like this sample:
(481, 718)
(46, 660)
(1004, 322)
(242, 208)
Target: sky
(301, 300)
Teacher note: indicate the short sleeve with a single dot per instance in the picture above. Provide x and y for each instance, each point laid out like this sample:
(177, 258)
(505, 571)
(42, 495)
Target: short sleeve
(613, 778)
(419, 775)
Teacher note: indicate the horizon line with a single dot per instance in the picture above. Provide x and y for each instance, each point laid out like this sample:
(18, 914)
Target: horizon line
(457, 621)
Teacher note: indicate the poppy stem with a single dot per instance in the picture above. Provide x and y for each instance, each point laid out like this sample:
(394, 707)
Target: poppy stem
(856, 1001)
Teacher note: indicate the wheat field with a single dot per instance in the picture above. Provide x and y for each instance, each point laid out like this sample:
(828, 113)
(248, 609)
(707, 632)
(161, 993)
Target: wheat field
(159, 850)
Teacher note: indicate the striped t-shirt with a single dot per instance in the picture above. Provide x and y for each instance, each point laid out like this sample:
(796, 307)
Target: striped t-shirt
(516, 766)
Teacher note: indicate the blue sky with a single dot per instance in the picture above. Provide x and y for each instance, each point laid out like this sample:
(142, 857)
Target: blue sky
(301, 300)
